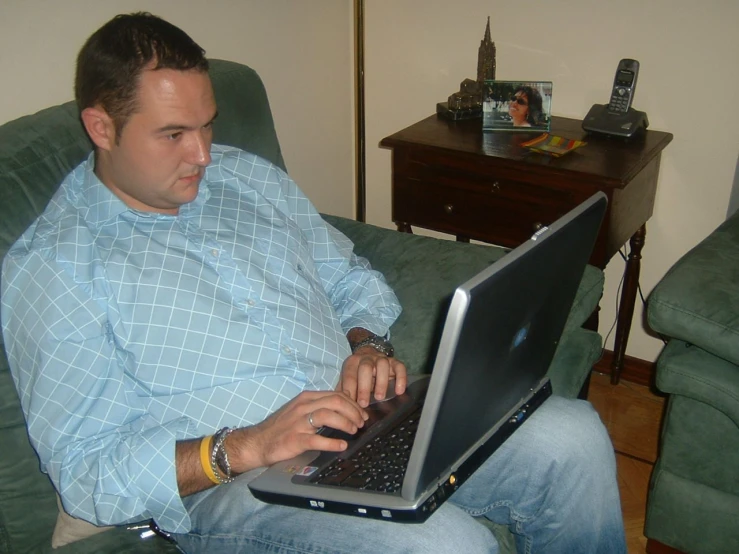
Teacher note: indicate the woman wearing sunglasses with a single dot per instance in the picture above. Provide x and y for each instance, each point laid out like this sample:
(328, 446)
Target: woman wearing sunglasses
(525, 107)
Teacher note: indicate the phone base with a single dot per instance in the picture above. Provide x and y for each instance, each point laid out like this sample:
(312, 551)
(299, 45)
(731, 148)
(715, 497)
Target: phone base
(625, 125)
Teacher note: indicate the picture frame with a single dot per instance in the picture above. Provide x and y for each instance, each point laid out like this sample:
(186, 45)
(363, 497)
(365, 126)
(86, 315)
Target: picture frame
(531, 110)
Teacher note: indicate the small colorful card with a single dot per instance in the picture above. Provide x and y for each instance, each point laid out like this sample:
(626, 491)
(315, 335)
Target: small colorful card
(553, 145)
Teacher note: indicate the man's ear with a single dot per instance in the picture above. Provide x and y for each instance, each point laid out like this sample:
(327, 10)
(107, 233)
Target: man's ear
(99, 126)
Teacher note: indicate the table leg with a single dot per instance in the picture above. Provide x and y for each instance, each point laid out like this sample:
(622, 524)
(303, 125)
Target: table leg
(628, 300)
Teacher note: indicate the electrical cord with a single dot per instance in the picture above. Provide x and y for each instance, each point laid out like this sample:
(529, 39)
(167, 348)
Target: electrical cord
(624, 256)
(641, 295)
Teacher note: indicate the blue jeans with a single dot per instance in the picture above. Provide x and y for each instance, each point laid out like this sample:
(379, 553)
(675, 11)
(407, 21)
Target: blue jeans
(553, 483)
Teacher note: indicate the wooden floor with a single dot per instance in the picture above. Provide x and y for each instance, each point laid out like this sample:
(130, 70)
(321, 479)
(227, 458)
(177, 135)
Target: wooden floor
(632, 415)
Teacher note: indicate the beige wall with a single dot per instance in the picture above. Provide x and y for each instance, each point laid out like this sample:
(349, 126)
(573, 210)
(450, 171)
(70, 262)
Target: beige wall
(302, 50)
(417, 52)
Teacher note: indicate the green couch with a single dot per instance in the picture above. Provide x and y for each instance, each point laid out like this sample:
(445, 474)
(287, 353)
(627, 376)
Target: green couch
(694, 494)
(37, 151)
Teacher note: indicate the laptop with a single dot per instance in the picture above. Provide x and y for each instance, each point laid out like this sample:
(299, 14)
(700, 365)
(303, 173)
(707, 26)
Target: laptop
(489, 375)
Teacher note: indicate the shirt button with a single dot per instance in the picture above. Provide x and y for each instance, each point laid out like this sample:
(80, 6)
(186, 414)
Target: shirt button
(251, 302)
(214, 252)
(287, 350)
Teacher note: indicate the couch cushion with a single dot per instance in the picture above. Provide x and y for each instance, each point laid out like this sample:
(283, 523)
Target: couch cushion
(694, 495)
(698, 299)
(700, 443)
(27, 506)
(244, 116)
(687, 370)
(691, 517)
(577, 353)
(36, 153)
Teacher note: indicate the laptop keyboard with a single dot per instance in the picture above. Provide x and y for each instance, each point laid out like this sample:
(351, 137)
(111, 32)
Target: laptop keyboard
(379, 465)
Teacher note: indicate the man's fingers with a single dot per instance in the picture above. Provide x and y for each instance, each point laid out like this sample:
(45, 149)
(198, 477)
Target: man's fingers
(365, 380)
(401, 376)
(390, 372)
(326, 411)
(366, 374)
(349, 384)
(383, 374)
(324, 417)
(319, 442)
(292, 429)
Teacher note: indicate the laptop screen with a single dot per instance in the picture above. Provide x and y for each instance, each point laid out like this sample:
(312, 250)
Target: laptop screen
(503, 327)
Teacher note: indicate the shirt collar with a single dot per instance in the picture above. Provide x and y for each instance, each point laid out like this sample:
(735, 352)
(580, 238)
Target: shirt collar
(104, 206)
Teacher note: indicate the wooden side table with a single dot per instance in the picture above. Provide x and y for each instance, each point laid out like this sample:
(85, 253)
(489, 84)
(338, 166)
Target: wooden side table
(451, 177)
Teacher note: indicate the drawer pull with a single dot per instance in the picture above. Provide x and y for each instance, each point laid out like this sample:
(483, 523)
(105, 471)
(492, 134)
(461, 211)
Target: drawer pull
(538, 226)
(448, 208)
(495, 187)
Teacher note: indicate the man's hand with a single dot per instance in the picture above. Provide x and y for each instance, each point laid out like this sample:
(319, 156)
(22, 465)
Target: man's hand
(291, 430)
(367, 371)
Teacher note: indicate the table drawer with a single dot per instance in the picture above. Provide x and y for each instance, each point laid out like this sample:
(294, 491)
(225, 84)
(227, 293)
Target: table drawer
(504, 212)
(483, 174)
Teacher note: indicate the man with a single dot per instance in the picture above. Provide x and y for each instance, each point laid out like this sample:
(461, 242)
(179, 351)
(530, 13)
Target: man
(180, 316)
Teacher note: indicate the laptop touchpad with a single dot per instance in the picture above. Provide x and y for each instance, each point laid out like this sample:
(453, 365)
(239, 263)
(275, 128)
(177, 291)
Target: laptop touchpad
(389, 393)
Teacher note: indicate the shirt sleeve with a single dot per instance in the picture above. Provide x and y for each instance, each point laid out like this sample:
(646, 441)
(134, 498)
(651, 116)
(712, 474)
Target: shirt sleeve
(110, 463)
(360, 295)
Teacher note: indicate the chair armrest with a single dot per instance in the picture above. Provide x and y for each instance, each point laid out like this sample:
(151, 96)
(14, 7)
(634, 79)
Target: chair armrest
(697, 301)
(687, 370)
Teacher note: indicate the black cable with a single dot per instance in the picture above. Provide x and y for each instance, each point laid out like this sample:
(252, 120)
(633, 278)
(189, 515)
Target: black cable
(641, 295)
(618, 298)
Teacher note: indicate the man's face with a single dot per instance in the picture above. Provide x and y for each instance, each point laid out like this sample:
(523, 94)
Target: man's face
(164, 146)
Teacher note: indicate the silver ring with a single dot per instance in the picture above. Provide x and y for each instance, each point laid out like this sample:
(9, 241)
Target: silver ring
(310, 420)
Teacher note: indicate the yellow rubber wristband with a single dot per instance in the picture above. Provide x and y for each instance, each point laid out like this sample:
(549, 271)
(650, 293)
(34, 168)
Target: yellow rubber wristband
(205, 460)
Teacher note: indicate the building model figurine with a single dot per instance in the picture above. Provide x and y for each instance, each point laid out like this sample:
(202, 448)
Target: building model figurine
(467, 102)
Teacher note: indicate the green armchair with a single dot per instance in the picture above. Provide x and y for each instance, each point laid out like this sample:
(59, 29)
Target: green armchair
(693, 501)
(37, 151)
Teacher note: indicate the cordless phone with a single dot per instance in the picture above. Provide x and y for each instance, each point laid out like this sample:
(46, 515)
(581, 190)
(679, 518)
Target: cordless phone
(624, 85)
(618, 118)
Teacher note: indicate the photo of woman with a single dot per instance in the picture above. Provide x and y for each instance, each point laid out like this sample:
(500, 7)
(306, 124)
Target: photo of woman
(516, 106)
(525, 107)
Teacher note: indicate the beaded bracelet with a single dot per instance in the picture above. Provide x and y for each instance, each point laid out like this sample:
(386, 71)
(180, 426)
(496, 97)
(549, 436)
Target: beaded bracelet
(218, 454)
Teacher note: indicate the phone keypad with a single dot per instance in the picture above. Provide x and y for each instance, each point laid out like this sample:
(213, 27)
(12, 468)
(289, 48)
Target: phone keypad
(619, 100)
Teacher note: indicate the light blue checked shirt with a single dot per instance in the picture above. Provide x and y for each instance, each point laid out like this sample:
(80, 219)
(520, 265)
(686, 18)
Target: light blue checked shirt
(127, 331)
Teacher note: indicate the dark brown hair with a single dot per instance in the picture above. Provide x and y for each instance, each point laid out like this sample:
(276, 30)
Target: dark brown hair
(110, 63)
(536, 108)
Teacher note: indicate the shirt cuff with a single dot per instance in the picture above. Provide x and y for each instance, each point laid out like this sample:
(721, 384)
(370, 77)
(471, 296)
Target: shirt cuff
(370, 323)
(156, 474)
